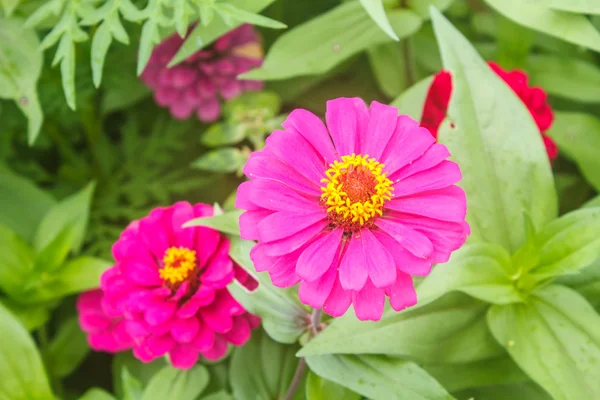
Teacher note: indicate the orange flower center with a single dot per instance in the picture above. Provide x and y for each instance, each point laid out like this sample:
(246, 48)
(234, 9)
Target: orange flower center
(178, 262)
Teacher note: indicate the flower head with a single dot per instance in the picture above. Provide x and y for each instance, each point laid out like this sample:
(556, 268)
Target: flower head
(534, 98)
(351, 210)
(199, 83)
(168, 289)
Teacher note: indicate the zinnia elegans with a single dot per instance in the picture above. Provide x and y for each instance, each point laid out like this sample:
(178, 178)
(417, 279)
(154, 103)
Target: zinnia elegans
(534, 98)
(167, 293)
(351, 210)
(200, 83)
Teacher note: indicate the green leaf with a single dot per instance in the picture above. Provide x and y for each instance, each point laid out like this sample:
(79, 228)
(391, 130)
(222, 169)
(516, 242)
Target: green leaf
(97, 394)
(320, 44)
(555, 339)
(421, 7)
(575, 6)
(514, 43)
(517, 391)
(376, 11)
(242, 15)
(220, 395)
(223, 134)
(264, 104)
(224, 160)
(491, 135)
(378, 377)
(262, 369)
(450, 330)
(586, 283)
(74, 210)
(141, 372)
(171, 383)
(411, 101)
(226, 223)
(578, 136)
(282, 318)
(21, 368)
(480, 270)
(31, 316)
(67, 349)
(53, 255)
(149, 37)
(20, 68)
(573, 28)
(100, 44)
(318, 388)
(391, 81)
(65, 54)
(132, 388)
(566, 77)
(9, 6)
(16, 262)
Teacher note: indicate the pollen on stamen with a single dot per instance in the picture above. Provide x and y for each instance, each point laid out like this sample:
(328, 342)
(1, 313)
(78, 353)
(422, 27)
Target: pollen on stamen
(178, 264)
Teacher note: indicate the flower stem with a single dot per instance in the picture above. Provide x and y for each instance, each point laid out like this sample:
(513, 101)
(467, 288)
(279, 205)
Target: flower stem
(407, 54)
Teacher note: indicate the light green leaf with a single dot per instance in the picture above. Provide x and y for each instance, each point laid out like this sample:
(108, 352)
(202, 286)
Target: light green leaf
(578, 136)
(20, 67)
(282, 318)
(67, 349)
(141, 372)
(411, 101)
(262, 369)
(378, 377)
(21, 368)
(97, 394)
(517, 391)
(265, 104)
(491, 135)
(480, 270)
(132, 388)
(176, 384)
(566, 77)
(586, 283)
(242, 15)
(421, 7)
(318, 388)
(31, 316)
(450, 330)
(220, 395)
(16, 261)
(555, 339)
(149, 37)
(53, 255)
(573, 28)
(223, 134)
(9, 6)
(100, 44)
(575, 6)
(376, 11)
(78, 275)
(320, 44)
(224, 160)
(391, 81)
(226, 223)
(74, 210)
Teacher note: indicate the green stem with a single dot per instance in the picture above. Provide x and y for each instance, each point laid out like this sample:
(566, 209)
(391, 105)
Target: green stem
(55, 381)
(93, 132)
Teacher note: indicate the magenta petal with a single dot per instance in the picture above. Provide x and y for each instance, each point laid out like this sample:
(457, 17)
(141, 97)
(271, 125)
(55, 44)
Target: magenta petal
(154, 234)
(220, 267)
(447, 204)
(160, 313)
(380, 264)
(160, 345)
(205, 338)
(382, 123)
(276, 196)
(216, 320)
(182, 213)
(315, 293)
(189, 308)
(242, 198)
(181, 109)
(249, 223)
(347, 120)
(402, 293)
(338, 301)
(442, 175)
(353, 267)
(407, 144)
(432, 157)
(142, 352)
(369, 302)
(411, 240)
(218, 350)
(240, 333)
(185, 330)
(294, 242)
(313, 130)
(141, 274)
(209, 110)
(284, 224)
(405, 261)
(136, 329)
(317, 257)
(183, 356)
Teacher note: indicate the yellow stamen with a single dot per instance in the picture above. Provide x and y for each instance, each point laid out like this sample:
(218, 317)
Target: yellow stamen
(178, 263)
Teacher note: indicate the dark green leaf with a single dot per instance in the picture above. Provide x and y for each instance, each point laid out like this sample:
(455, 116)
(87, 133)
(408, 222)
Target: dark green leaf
(67, 349)
(517, 391)
(226, 223)
(421, 7)
(411, 101)
(221, 395)
(16, 261)
(391, 80)
(376, 11)
(171, 383)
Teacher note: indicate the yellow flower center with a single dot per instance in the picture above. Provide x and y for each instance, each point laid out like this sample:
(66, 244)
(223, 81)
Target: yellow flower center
(355, 191)
(178, 262)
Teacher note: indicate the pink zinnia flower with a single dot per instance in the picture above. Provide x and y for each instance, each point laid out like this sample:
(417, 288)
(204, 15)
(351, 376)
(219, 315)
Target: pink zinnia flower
(169, 289)
(198, 84)
(351, 210)
(534, 98)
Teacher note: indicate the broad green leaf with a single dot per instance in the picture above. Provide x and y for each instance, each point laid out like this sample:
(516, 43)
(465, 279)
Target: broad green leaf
(454, 377)
(74, 210)
(226, 223)
(97, 394)
(171, 383)
(202, 36)
(411, 101)
(378, 377)
(9, 6)
(595, 202)
(421, 7)
(21, 368)
(282, 318)
(132, 388)
(16, 261)
(318, 388)
(320, 44)
(578, 136)
(450, 330)
(575, 6)
(31, 316)
(242, 15)
(220, 395)
(141, 372)
(586, 283)
(53, 255)
(20, 67)
(566, 77)
(223, 134)
(513, 43)
(480, 270)
(263, 104)
(491, 135)
(223, 160)
(391, 81)
(573, 28)
(555, 339)
(262, 369)
(516, 391)
(376, 11)
(67, 349)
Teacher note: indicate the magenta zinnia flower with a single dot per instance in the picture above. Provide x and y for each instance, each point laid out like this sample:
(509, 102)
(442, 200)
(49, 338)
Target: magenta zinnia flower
(351, 210)
(198, 84)
(169, 289)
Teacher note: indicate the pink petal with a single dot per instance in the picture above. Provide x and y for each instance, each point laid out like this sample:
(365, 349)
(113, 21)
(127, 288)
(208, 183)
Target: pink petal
(160, 345)
(190, 307)
(285, 224)
(432, 157)
(380, 264)
(274, 195)
(160, 313)
(447, 204)
(382, 123)
(182, 213)
(442, 175)
(185, 330)
(231, 89)
(347, 120)
(242, 197)
(154, 234)
(209, 110)
(411, 240)
(205, 338)
(408, 143)
(183, 356)
(142, 352)
(294, 242)
(353, 267)
(315, 293)
(216, 320)
(136, 329)
(181, 109)
(317, 257)
(402, 293)
(314, 131)
(240, 333)
(290, 147)
(220, 267)
(338, 301)
(405, 261)
(249, 223)
(141, 274)
(165, 96)
(206, 88)
(94, 321)
(282, 268)
(183, 76)
(369, 302)
(218, 350)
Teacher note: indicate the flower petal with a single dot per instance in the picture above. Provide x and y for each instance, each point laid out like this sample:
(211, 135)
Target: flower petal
(432, 157)
(182, 213)
(405, 261)
(313, 130)
(183, 356)
(408, 143)
(411, 240)
(347, 120)
(315, 293)
(380, 264)
(249, 223)
(185, 330)
(402, 293)
(447, 204)
(338, 301)
(353, 267)
(318, 257)
(276, 196)
(382, 123)
(160, 313)
(442, 175)
(240, 333)
(291, 243)
(284, 224)
(368, 302)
